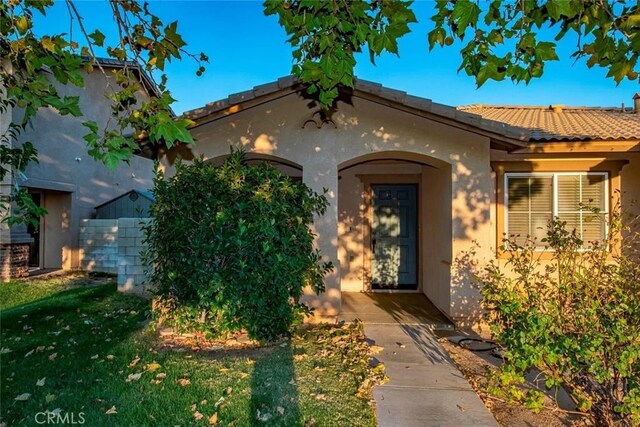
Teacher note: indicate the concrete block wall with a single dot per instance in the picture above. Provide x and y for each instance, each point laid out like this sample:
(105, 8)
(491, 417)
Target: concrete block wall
(99, 245)
(132, 276)
(114, 246)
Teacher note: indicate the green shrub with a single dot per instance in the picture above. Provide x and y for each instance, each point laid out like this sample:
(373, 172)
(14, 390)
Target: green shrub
(231, 248)
(575, 318)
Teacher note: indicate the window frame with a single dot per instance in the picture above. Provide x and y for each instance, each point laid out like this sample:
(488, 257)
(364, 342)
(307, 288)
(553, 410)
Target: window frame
(554, 201)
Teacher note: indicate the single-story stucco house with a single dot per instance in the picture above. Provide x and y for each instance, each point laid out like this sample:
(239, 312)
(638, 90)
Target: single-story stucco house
(413, 185)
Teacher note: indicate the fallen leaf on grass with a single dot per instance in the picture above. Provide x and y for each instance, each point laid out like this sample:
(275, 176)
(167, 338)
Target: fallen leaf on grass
(219, 402)
(23, 397)
(152, 367)
(29, 353)
(111, 411)
(184, 382)
(319, 396)
(198, 416)
(53, 356)
(94, 357)
(134, 362)
(5, 350)
(110, 357)
(161, 375)
(213, 419)
(243, 375)
(194, 407)
(134, 377)
(228, 390)
(41, 381)
(50, 398)
(263, 416)
(280, 410)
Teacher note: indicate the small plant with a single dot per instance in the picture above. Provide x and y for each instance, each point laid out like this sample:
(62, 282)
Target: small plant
(232, 249)
(575, 318)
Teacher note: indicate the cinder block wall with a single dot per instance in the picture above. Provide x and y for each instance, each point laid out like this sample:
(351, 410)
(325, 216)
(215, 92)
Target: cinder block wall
(99, 245)
(131, 270)
(114, 246)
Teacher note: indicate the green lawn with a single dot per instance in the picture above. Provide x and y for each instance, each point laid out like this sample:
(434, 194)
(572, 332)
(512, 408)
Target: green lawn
(85, 352)
(22, 292)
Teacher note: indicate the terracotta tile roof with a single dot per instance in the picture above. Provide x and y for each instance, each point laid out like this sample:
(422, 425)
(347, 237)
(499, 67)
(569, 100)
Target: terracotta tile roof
(566, 123)
(513, 135)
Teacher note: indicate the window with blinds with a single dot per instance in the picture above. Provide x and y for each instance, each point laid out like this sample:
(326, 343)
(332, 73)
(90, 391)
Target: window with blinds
(532, 200)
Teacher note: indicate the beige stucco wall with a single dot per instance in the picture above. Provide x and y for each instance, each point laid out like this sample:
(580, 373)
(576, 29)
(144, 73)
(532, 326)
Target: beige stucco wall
(367, 130)
(66, 168)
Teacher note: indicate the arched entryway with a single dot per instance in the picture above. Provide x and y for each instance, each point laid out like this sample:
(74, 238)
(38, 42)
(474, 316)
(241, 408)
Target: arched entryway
(395, 225)
(286, 167)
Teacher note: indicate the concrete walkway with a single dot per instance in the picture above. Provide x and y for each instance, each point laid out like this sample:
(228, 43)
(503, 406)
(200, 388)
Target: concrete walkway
(425, 388)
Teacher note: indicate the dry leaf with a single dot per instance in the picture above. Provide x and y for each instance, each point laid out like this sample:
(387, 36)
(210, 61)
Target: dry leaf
(110, 357)
(152, 367)
(263, 416)
(280, 410)
(219, 402)
(223, 369)
(29, 353)
(134, 362)
(161, 375)
(228, 390)
(50, 398)
(243, 375)
(194, 407)
(375, 349)
(213, 419)
(23, 397)
(53, 356)
(155, 382)
(111, 411)
(134, 377)
(198, 416)
(5, 350)
(41, 381)
(94, 357)
(184, 382)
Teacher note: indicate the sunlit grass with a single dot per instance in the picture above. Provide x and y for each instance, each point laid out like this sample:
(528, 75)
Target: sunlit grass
(87, 351)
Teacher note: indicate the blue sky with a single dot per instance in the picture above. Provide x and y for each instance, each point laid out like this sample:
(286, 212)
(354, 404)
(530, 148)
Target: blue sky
(247, 48)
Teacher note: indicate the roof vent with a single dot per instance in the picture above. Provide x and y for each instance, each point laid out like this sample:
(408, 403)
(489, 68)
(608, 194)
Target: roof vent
(557, 108)
(636, 103)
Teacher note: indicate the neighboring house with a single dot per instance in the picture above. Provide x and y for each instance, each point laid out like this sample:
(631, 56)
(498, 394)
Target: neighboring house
(67, 181)
(414, 185)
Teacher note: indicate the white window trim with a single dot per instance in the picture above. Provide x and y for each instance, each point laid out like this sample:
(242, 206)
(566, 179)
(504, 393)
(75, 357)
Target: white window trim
(554, 176)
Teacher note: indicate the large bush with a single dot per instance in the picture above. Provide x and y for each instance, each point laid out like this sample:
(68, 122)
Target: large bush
(575, 318)
(231, 248)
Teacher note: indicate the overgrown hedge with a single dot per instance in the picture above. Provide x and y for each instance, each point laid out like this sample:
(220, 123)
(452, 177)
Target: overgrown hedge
(231, 248)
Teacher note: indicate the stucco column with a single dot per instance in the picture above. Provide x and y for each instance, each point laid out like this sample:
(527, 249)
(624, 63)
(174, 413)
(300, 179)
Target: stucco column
(319, 174)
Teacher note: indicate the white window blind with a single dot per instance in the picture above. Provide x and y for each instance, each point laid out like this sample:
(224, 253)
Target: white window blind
(533, 199)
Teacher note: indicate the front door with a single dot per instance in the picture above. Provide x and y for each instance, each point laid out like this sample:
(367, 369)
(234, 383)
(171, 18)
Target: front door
(393, 237)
